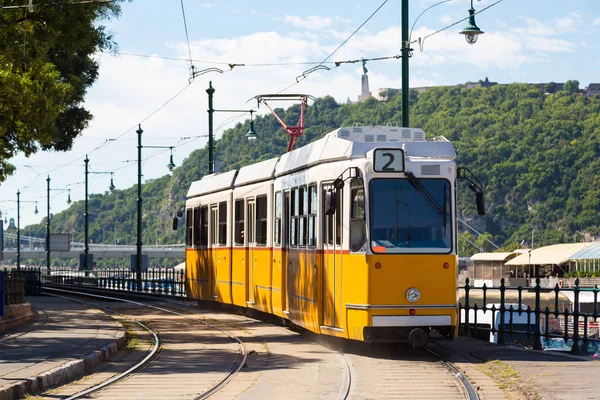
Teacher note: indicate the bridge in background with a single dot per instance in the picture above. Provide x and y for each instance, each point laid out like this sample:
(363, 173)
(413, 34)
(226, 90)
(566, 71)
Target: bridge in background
(34, 249)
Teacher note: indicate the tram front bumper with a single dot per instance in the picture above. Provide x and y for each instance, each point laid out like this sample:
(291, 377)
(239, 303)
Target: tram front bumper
(398, 328)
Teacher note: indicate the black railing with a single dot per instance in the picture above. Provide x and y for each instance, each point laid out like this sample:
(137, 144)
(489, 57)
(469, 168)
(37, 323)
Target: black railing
(14, 287)
(164, 281)
(533, 316)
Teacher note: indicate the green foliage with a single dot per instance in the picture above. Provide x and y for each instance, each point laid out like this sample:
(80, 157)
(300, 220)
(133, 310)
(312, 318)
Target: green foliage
(46, 67)
(536, 154)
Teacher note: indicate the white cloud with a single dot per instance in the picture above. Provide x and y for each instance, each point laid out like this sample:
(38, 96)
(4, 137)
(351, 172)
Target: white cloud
(208, 5)
(596, 22)
(556, 26)
(311, 22)
(447, 19)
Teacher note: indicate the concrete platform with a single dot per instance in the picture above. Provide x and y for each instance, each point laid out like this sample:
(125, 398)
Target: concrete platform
(65, 340)
(15, 316)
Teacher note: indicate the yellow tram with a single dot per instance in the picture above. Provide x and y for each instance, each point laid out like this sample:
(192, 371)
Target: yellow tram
(353, 235)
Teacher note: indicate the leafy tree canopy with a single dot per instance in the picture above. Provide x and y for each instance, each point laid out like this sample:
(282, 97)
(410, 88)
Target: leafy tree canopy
(46, 67)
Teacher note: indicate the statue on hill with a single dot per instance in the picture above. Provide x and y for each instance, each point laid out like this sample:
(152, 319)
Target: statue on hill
(365, 70)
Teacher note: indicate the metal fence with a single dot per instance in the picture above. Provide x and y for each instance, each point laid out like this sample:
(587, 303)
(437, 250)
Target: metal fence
(166, 281)
(14, 287)
(530, 315)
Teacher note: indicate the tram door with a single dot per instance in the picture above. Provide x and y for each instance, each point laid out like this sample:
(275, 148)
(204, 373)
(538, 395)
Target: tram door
(214, 225)
(285, 250)
(251, 231)
(332, 256)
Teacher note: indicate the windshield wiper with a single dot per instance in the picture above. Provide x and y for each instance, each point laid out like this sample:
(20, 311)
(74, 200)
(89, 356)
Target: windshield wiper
(422, 190)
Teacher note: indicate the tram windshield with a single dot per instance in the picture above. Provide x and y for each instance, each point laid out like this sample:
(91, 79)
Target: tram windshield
(410, 215)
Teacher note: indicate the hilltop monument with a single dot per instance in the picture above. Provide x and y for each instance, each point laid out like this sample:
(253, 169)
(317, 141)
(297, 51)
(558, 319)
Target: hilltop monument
(364, 92)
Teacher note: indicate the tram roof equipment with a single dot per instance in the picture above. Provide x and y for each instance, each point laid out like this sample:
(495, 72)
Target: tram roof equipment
(342, 143)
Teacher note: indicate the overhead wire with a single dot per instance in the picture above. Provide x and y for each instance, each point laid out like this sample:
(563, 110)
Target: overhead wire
(355, 31)
(125, 132)
(306, 73)
(187, 37)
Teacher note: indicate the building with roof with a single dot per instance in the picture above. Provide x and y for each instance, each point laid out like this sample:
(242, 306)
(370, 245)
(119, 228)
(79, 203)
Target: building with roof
(489, 265)
(586, 260)
(593, 89)
(518, 267)
(551, 260)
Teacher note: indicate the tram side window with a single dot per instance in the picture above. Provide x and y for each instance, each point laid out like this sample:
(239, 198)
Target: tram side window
(261, 220)
(338, 216)
(188, 225)
(294, 219)
(196, 228)
(250, 228)
(312, 215)
(328, 217)
(278, 209)
(222, 223)
(214, 225)
(239, 222)
(303, 208)
(358, 237)
(204, 226)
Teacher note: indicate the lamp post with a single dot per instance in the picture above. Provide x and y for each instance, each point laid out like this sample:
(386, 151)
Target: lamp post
(35, 211)
(18, 230)
(471, 32)
(139, 243)
(48, 221)
(86, 246)
(250, 135)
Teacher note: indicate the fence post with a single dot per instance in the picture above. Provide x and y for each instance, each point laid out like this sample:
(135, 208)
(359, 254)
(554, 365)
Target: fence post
(466, 308)
(575, 349)
(1, 293)
(537, 344)
(501, 338)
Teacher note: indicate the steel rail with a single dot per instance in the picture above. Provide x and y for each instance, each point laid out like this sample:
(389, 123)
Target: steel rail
(241, 357)
(470, 390)
(345, 392)
(149, 357)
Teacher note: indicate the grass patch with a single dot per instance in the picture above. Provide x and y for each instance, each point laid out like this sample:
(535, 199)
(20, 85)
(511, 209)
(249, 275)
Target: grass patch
(503, 374)
(266, 347)
(133, 340)
(508, 380)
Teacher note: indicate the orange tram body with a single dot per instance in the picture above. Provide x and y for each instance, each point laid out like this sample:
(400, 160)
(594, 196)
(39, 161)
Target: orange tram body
(353, 235)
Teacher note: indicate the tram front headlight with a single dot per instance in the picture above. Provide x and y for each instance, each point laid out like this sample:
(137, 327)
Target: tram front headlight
(413, 295)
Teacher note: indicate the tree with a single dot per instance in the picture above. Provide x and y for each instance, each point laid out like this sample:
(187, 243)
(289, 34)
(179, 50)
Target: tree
(46, 67)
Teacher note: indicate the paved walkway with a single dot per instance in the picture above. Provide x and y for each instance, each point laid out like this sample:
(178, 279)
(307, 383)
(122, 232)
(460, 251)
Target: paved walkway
(64, 340)
(507, 372)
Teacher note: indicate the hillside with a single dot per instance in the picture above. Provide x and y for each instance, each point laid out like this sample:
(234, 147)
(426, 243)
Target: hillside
(536, 154)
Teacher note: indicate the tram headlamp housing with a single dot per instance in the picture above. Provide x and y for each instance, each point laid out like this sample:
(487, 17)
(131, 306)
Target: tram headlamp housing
(413, 295)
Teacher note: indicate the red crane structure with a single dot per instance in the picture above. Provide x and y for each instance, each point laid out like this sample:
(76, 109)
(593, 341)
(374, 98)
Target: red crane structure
(294, 131)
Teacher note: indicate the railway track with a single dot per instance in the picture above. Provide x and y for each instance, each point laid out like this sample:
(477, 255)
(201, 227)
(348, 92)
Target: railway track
(153, 355)
(278, 363)
(403, 374)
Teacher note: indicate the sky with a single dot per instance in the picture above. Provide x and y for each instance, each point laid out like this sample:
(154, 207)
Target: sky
(148, 81)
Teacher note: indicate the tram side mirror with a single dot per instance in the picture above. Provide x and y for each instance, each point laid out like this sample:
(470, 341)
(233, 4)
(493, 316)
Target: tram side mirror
(479, 198)
(338, 184)
(330, 202)
(175, 221)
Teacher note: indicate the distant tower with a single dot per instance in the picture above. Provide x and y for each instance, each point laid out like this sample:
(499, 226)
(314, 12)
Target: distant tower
(364, 92)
